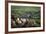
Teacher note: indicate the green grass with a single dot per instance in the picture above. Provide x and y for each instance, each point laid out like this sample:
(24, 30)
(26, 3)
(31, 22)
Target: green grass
(18, 11)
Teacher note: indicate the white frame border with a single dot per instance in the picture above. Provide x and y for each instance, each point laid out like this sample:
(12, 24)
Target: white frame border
(23, 29)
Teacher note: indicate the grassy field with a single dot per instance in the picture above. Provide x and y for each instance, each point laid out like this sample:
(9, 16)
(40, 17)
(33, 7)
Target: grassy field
(30, 12)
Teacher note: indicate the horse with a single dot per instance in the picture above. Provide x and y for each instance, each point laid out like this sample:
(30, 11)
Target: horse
(25, 22)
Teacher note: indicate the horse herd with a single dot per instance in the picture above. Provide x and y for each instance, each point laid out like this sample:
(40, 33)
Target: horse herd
(22, 22)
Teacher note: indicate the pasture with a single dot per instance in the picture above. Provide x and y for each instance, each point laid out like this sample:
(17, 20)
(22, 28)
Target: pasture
(25, 16)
